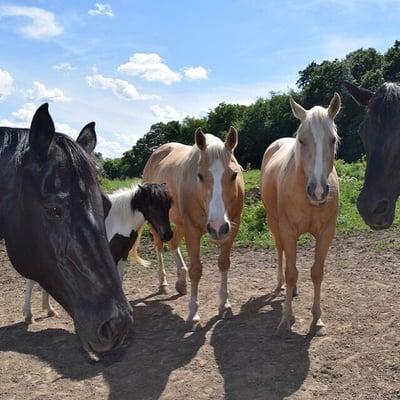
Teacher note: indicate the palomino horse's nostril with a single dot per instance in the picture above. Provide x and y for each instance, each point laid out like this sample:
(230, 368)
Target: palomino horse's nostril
(381, 207)
(211, 230)
(224, 229)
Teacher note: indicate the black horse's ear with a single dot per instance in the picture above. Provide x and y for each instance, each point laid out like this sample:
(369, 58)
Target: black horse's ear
(41, 133)
(87, 138)
(360, 95)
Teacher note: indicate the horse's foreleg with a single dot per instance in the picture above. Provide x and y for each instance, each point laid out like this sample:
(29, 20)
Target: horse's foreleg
(289, 242)
(162, 276)
(195, 271)
(46, 306)
(224, 263)
(27, 302)
(180, 286)
(280, 276)
(317, 274)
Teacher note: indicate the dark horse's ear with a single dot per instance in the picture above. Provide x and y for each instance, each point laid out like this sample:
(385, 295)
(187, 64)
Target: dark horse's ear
(106, 204)
(41, 133)
(360, 95)
(87, 138)
(200, 139)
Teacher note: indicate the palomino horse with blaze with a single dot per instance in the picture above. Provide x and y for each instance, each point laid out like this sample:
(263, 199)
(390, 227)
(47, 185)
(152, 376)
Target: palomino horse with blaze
(127, 211)
(206, 185)
(300, 191)
(380, 134)
(52, 220)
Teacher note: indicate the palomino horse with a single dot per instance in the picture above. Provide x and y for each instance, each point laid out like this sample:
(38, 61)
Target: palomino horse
(300, 191)
(380, 135)
(52, 220)
(124, 222)
(206, 185)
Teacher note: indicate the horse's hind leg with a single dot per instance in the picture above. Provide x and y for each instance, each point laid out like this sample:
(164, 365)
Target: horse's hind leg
(46, 306)
(181, 285)
(27, 302)
(162, 276)
(317, 274)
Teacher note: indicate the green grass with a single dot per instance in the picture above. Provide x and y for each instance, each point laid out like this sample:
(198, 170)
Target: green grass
(111, 185)
(253, 229)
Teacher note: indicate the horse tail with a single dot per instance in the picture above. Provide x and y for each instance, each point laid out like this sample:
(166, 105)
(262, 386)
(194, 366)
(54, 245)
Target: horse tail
(133, 254)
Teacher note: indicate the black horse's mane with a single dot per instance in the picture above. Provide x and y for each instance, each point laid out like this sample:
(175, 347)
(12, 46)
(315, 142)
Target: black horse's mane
(384, 106)
(82, 165)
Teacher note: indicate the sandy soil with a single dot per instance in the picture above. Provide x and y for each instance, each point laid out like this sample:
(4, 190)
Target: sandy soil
(239, 358)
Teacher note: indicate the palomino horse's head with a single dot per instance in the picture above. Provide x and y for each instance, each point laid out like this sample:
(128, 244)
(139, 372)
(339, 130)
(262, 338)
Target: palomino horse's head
(219, 181)
(56, 233)
(316, 143)
(154, 202)
(380, 134)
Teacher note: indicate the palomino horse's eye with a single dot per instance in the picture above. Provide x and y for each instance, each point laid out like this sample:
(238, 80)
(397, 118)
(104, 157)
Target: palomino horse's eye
(54, 212)
(234, 175)
(201, 178)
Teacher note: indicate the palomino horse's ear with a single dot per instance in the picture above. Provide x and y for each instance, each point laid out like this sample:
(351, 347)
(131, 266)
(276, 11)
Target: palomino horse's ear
(334, 106)
(360, 95)
(297, 110)
(87, 138)
(200, 139)
(232, 139)
(41, 133)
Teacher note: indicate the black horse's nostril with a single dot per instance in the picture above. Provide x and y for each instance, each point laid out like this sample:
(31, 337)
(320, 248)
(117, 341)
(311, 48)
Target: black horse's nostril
(224, 229)
(108, 331)
(166, 236)
(381, 207)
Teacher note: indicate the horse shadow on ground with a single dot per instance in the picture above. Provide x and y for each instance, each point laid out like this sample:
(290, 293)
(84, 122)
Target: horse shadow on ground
(254, 362)
(160, 347)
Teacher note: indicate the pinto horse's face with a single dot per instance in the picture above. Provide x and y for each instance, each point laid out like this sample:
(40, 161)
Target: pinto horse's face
(58, 238)
(219, 181)
(380, 134)
(154, 202)
(316, 143)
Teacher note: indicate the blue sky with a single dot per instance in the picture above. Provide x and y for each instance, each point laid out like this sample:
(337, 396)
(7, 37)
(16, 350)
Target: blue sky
(128, 64)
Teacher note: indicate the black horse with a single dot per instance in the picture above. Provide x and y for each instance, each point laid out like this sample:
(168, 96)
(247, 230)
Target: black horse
(52, 219)
(380, 134)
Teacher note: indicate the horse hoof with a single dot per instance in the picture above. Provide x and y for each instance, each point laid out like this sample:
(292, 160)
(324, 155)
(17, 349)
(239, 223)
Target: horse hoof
(193, 326)
(226, 313)
(181, 288)
(29, 320)
(318, 330)
(163, 289)
(52, 313)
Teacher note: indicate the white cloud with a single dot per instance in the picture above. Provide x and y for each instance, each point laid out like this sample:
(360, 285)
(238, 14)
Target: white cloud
(166, 113)
(150, 67)
(101, 9)
(195, 73)
(22, 118)
(42, 24)
(119, 87)
(40, 93)
(6, 84)
(63, 67)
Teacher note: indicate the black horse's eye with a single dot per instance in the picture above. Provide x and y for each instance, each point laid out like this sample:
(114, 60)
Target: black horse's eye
(234, 175)
(54, 212)
(201, 178)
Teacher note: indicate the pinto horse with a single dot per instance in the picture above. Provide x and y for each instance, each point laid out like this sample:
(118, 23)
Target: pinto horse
(52, 220)
(206, 185)
(124, 222)
(300, 191)
(380, 134)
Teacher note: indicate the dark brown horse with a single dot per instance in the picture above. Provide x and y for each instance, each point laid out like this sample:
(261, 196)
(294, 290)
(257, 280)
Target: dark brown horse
(380, 134)
(52, 220)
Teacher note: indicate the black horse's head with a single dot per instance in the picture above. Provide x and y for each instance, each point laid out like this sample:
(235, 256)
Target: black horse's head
(55, 231)
(380, 134)
(154, 202)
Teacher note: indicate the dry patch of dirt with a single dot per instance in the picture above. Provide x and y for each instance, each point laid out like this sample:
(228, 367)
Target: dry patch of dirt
(235, 359)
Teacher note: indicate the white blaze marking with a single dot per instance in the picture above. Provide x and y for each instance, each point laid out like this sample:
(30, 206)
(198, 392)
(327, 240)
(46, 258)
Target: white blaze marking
(319, 162)
(216, 208)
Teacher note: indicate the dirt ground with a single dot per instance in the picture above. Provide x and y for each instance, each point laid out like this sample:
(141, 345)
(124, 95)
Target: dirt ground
(239, 358)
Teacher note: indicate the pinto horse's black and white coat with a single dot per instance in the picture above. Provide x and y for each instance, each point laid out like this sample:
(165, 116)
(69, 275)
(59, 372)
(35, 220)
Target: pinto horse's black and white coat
(128, 210)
